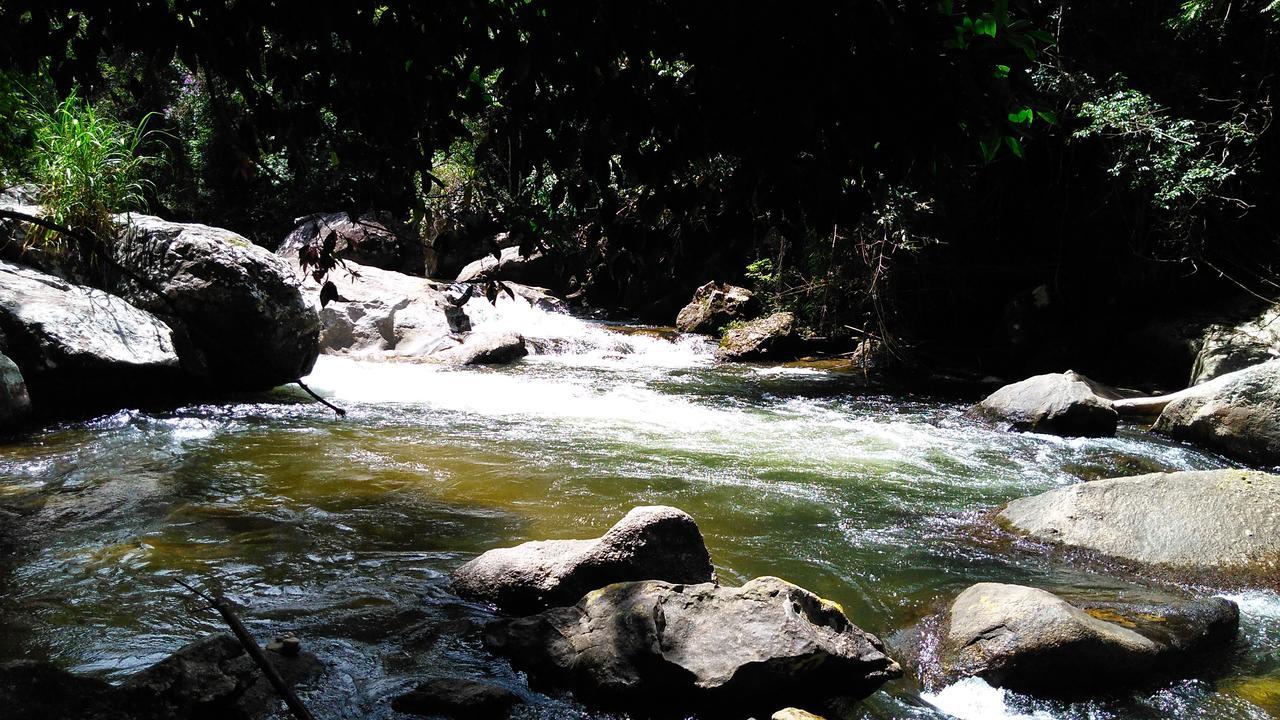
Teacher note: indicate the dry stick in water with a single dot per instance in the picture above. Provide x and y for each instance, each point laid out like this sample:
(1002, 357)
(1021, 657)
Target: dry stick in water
(95, 246)
(223, 606)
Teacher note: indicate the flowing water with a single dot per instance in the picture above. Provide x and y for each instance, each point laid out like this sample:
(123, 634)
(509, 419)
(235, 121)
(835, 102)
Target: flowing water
(344, 530)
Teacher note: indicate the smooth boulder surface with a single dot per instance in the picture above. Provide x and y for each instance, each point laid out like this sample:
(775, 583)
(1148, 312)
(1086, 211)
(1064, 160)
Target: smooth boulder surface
(1234, 344)
(374, 239)
(1056, 403)
(15, 403)
(534, 269)
(654, 642)
(759, 339)
(211, 677)
(1237, 414)
(241, 307)
(715, 305)
(1030, 640)
(1203, 520)
(481, 348)
(649, 543)
(78, 343)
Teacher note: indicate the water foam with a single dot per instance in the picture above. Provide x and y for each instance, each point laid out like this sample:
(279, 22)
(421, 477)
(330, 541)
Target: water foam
(973, 699)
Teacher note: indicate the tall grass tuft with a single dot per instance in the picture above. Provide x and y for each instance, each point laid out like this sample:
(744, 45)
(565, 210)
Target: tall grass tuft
(87, 165)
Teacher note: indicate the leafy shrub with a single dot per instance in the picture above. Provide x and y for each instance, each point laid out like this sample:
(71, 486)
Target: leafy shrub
(87, 164)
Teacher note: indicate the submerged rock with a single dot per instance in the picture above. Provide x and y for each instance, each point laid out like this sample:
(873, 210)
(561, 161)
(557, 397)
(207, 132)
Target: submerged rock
(457, 698)
(78, 344)
(658, 643)
(649, 543)
(374, 239)
(1202, 520)
(510, 265)
(715, 305)
(480, 348)
(1030, 640)
(768, 337)
(1057, 403)
(241, 307)
(1237, 414)
(211, 677)
(15, 403)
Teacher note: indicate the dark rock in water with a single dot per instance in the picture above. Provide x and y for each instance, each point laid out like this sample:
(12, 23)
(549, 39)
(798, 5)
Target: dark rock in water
(80, 344)
(457, 698)
(649, 543)
(1032, 641)
(764, 338)
(765, 644)
(241, 307)
(15, 403)
(372, 238)
(1203, 520)
(210, 678)
(1058, 403)
(485, 349)
(535, 269)
(1237, 414)
(715, 305)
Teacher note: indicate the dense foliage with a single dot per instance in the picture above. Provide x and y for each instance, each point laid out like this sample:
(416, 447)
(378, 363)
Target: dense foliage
(912, 170)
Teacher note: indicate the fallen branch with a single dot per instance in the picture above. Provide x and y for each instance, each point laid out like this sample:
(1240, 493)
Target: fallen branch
(317, 398)
(223, 606)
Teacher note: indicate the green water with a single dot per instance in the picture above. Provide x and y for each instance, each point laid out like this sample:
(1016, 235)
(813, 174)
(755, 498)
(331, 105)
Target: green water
(344, 530)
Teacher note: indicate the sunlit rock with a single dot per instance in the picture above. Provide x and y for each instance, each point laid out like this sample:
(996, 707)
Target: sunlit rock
(1237, 414)
(715, 305)
(649, 543)
(656, 643)
(1057, 403)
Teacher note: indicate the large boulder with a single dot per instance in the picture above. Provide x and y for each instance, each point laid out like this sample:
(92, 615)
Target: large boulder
(1203, 520)
(654, 642)
(482, 348)
(1057, 403)
(78, 344)
(649, 543)
(763, 338)
(1228, 346)
(241, 307)
(211, 677)
(374, 239)
(1237, 414)
(454, 249)
(1031, 640)
(15, 403)
(510, 265)
(714, 306)
(457, 698)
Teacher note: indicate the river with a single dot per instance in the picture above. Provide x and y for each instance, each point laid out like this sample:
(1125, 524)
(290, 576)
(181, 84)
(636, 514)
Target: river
(344, 530)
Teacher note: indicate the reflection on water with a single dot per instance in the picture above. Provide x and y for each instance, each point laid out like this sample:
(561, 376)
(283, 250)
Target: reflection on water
(344, 530)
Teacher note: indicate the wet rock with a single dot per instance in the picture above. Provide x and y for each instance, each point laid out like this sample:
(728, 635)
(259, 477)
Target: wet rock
(768, 337)
(80, 345)
(15, 403)
(372, 238)
(715, 305)
(1237, 414)
(212, 677)
(1030, 640)
(649, 543)
(534, 269)
(1205, 520)
(1057, 403)
(658, 643)
(457, 698)
(480, 348)
(241, 306)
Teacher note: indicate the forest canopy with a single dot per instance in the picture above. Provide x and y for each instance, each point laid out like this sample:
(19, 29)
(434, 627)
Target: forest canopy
(892, 167)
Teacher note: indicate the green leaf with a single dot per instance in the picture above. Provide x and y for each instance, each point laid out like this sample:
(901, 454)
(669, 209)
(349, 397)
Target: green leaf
(1001, 71)
(945, 7)
(990, 147)
(1014, 146)
(1048, 116)
(986, 25)
(1023, 116)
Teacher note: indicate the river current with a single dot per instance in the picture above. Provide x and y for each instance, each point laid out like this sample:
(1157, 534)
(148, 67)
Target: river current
(344, 530)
